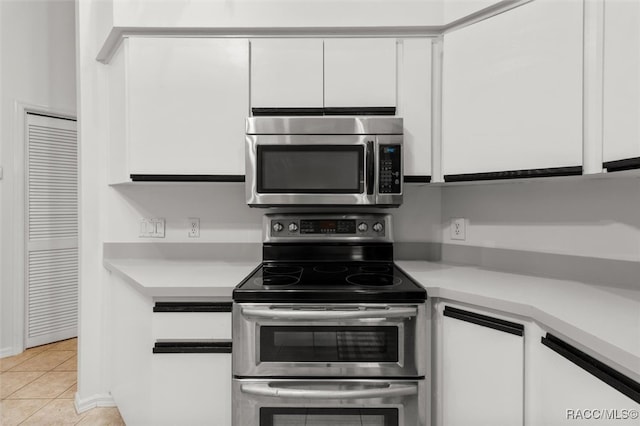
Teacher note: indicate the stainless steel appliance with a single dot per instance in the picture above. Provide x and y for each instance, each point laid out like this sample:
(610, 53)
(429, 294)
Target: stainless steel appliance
(324, 161)
(328, 328)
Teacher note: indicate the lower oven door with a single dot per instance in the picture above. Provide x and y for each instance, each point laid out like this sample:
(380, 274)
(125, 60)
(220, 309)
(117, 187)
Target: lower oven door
(280, 402)
(333, 340)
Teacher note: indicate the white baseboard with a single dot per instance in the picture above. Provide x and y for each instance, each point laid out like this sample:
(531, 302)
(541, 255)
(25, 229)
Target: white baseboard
(98, 400)
(10, 351)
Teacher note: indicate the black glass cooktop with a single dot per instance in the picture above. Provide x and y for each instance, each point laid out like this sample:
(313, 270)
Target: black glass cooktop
(314, 282)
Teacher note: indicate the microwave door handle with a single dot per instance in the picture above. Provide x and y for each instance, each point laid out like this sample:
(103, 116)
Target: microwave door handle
(370, 168)
(391, 390)
(329, 315)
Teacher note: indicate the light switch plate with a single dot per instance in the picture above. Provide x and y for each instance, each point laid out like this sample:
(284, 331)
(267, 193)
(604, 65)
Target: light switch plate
(458, 228)
(152, 228)
(159, 228)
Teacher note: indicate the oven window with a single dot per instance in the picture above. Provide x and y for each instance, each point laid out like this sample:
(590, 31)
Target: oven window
(328, 344)
(328, 416)
(327, 169)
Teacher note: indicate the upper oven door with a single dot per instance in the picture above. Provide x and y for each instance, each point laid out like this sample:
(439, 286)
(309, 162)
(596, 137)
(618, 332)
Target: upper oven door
(310, 169)
(334, 340)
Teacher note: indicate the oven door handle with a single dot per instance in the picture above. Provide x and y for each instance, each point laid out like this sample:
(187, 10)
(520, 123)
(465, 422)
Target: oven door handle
(330, 315)
(391, 390)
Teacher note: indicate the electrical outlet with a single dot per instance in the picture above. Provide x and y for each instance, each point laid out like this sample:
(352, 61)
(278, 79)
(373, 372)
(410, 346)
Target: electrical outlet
(194, 227)
(458, 228)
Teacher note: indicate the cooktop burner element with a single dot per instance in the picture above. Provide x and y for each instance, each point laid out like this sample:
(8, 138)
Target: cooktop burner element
(328, 258)
(373, 280)
(282, 270)
(378, 269)
(270, 281)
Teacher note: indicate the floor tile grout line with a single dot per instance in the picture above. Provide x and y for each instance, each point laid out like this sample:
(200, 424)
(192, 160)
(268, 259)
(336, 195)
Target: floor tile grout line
(32, 414)
(26, 384)
(57, 365)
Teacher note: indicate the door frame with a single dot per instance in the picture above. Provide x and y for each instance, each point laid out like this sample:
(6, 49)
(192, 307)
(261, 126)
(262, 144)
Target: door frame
(19, 225)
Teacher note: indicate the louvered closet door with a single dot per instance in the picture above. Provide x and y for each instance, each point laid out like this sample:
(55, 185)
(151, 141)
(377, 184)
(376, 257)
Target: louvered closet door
(52, 230)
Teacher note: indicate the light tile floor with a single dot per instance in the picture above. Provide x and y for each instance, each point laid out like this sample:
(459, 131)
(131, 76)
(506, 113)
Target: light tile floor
(38, 386)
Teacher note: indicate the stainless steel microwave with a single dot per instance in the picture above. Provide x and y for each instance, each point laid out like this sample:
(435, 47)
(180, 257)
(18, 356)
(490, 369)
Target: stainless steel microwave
(304, 161)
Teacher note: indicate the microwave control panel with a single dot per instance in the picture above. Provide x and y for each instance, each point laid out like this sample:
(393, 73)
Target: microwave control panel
(389, 166)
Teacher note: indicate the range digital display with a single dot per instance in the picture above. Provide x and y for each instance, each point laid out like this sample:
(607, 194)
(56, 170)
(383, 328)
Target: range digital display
(324, 226)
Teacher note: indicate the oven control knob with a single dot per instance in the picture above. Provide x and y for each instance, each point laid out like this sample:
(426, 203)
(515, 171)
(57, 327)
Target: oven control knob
(293, 227)
(362, 227)
(378, 227)
(277, 227)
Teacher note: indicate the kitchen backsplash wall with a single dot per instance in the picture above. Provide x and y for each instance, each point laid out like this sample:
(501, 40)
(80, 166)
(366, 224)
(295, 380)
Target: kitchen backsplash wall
(574, 216)
(225, 217)
(576, 228)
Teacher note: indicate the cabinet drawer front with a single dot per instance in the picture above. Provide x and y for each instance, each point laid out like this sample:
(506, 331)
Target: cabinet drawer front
(191, 325)
(191, 389)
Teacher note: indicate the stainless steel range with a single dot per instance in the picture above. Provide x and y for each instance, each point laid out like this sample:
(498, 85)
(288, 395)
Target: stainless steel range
(327, 330)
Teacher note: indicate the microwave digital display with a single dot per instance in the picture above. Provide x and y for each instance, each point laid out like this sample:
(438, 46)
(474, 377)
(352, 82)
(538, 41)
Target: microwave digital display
(310, 169)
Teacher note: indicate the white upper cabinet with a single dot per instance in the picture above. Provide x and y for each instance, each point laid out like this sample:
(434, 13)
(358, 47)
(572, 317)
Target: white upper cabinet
(360, 72)
(185, 103)
(512, 91)
(286, 73)
(414, 104)
(621, 117)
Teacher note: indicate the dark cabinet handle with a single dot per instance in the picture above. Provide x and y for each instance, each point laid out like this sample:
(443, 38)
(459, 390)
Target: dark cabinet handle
(193, 347)
(192, 307)
(621, 165)
(187, 178)
(516, 174)
(485, 321)
(608, 375)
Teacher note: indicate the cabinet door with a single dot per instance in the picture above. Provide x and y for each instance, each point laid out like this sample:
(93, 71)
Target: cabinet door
(286, 73)
(621, 80)
(414, 104)
(565, 394)
(359, 73)
(512, 91)
(191, 389)
(482, 370)
(188, 99)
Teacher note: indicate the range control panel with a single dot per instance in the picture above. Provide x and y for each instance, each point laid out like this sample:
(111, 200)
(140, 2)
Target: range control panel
(389, 166)
(339, 227)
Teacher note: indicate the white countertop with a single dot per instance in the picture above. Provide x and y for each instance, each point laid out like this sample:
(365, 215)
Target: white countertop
(603, 320)
(181, 278)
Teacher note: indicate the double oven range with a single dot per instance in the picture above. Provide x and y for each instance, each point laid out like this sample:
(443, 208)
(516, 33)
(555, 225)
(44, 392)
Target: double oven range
(327, 330)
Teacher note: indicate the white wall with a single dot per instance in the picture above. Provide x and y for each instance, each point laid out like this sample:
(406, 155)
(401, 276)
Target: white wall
(276, 13)
(225, 216)
(574, 216)
(37, 45)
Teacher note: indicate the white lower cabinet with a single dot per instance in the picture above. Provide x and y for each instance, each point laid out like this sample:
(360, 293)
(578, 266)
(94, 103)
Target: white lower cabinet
(485, 373)
(481, 369)
(170, 362)
(563, 393)
(191, 389)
